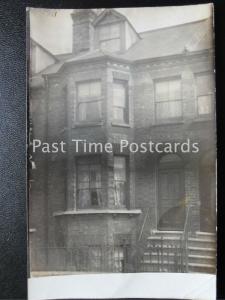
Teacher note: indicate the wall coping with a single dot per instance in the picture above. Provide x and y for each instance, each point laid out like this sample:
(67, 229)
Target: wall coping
(98, 212)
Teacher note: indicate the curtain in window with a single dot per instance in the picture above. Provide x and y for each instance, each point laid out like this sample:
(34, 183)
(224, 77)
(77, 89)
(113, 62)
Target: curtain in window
(89, 185)
(167, 110)
(119, 102)
(168, 99)
(89, 103)
(119, 181)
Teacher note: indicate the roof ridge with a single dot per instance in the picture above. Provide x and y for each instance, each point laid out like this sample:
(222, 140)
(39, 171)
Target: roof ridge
(175, 25)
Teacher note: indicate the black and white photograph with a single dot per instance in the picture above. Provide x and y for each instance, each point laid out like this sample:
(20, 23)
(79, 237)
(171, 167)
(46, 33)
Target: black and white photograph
(122, 141)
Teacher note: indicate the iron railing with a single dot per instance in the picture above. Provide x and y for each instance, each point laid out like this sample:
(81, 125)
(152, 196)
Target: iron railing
(185, 238)
(158, 256)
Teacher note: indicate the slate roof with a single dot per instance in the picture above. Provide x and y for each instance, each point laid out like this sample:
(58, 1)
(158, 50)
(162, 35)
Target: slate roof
(174, 40)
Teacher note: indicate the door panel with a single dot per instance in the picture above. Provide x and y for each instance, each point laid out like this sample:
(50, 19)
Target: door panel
(171, 210)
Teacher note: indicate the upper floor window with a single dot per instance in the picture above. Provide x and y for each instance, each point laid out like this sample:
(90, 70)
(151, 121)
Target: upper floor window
(204, 93)
(168, 99)
(89, 101)
(109, 37)
(88, 183)
(120, 101)
(120, 181)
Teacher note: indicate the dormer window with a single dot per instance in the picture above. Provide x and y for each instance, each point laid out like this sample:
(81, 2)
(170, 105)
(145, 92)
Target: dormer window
(109, 37)
(113, 32)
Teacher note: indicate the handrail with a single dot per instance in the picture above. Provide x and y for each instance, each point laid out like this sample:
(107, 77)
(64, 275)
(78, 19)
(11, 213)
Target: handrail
(185, 234)
(143, 225)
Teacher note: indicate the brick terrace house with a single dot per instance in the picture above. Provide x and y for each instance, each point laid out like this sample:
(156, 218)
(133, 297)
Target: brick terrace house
(124, 212)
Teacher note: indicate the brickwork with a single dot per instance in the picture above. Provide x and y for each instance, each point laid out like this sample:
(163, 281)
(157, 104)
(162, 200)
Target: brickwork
(54, 113)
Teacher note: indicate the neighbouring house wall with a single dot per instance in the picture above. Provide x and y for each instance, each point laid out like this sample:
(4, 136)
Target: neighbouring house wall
(40, 59)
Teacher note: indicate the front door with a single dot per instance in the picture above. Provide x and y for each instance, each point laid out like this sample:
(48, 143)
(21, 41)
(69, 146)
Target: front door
(171, 202)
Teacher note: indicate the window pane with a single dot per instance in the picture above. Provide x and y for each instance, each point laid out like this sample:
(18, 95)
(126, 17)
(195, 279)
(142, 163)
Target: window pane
(93, 112)
(88, 183)
(110, 45)
(83, 199)
(114, 31)
(119, 94)
(83, 172)
(168, 90)
(204, 104)
(109, 32)
(119, 114)
(95, 176)
(83, 90)
(95, 197)
(95, 89)
(89, 89)
(174, 89)
(119, 101)
(166, 110)
(104, 32)
(119, 192)
(83, 185)
(82, 109)
(120, 168)
(162, 91)
(118, 259)
(119, 180)
(204, 84)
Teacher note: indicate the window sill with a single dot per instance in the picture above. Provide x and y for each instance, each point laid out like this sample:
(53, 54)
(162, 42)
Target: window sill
(98, 212)
(88, 124)
(206, 118)
(167, 123)
(120, 125)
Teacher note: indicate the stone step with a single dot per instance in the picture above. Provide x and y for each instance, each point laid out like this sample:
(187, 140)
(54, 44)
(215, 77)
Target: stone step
(156, 262)
(199, 242)
(202, 259)
(206, 235)
(202, 251)
(201, 268)
(164, 238)
(167, 233)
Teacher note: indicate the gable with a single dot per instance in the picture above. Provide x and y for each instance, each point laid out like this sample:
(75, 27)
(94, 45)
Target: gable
(108, 16)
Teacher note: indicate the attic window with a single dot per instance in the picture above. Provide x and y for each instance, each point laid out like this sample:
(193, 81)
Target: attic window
(109, 37)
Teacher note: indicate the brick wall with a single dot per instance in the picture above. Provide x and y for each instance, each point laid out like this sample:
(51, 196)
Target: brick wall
(57, 177)
(83, 32)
